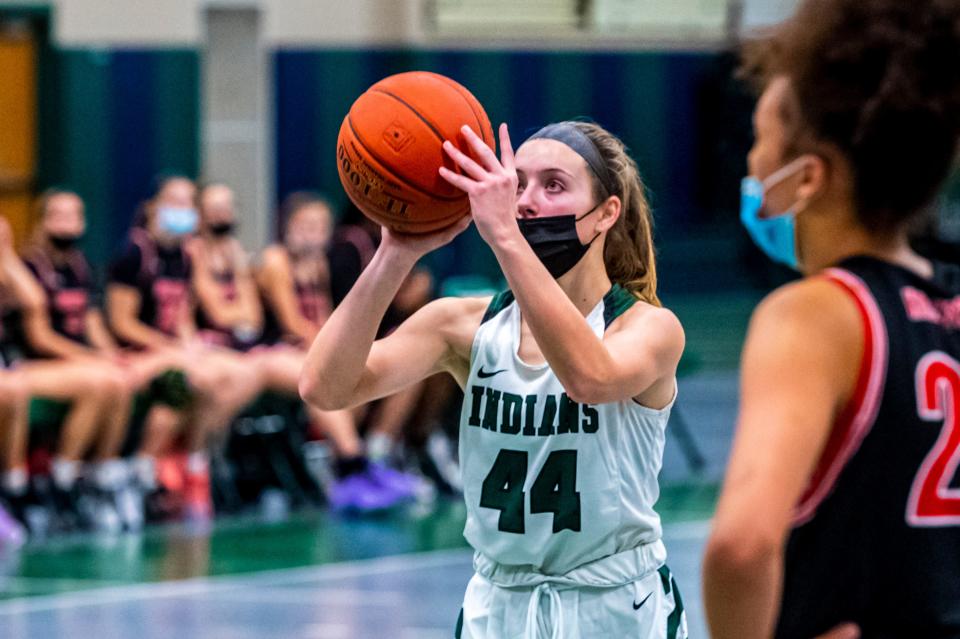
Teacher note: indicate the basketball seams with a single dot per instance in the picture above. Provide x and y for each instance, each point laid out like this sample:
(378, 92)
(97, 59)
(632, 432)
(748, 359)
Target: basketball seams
(475, 107)
(468, 97)
(382, 161)
(398, 189)
(413, 110)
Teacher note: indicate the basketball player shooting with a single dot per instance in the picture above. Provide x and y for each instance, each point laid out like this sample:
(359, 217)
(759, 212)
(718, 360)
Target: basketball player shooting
(569, 378)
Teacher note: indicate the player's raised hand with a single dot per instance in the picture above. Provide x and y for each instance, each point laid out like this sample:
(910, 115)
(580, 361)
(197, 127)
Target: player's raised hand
(417, 245)
(490, 182)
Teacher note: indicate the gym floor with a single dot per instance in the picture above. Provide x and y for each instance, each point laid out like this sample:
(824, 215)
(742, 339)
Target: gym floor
(318, 575)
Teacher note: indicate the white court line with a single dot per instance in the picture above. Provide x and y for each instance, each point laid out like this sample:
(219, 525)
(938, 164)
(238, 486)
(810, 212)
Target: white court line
(300, 597)
(210, 585)
(685, 531)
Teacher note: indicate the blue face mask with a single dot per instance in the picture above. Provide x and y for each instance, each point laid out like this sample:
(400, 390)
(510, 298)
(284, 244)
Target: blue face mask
(776, 236)
(176, 221)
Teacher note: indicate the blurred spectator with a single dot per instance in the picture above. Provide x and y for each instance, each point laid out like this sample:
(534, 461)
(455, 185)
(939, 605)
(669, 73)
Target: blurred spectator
(14, 401)
(70, 326)
(98, 409)
(354, 243)
(295, 283)
(150, 307)
(228, 310)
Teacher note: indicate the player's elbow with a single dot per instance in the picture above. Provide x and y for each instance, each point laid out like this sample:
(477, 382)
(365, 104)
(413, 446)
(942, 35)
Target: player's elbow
(739, 553)
(317, 394)
(585, 388)
(582, 393)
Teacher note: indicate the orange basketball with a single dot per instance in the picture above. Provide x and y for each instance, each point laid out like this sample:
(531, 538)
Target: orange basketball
(389, 150)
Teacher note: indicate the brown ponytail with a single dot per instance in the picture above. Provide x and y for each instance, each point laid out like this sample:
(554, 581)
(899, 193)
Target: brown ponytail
(629, 254)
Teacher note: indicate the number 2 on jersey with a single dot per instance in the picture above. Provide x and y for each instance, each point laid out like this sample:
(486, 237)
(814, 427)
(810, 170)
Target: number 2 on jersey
(932, 501)
(553, 491)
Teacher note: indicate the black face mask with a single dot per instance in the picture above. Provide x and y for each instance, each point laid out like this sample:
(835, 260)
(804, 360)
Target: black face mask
(304, 251)
(555, 241)
(64, 242)
(222, 229)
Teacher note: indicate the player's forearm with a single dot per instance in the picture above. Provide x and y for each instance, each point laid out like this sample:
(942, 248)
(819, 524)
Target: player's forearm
(303, 332)
(46, 341)
(137, 333)
(20, 281)
(741, 589)
(575, 354)
(99, 337)
(338, 356)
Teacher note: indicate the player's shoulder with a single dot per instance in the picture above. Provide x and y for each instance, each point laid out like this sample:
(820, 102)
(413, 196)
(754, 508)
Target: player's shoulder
(455, 319)
(817, 301)
(274, 256)
(815, 313)
(649, 318)
(194, 246)
(451, 311)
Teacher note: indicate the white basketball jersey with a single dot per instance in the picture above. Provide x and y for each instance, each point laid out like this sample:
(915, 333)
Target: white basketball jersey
(548, 482)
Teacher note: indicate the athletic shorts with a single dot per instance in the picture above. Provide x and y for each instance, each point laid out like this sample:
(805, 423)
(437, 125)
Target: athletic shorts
(648, 608)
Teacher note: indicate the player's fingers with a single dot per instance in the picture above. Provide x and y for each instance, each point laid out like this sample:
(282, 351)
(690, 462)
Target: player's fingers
(462, 182)
(481, 151)
(843, 631)
(506, 148)
(464, 161)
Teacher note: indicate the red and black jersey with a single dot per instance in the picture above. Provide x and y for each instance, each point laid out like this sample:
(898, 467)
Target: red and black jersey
(162, 277)
(314, 301)
(69, 288)
(211, 331)
(876, 539)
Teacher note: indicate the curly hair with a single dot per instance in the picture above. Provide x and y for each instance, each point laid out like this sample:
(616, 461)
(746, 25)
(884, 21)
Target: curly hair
(880, 81)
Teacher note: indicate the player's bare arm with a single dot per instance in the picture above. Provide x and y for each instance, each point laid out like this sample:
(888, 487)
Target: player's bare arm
(341, 368)
(123, 306)
(805, 341)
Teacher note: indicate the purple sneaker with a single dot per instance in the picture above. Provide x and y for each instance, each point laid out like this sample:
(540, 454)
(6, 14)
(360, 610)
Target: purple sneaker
(12, 533)
(403, 485)
(360, 493)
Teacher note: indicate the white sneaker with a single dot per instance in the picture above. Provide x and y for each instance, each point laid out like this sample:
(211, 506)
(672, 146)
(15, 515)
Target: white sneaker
(98, 509)
(440, 450)
(129, 502)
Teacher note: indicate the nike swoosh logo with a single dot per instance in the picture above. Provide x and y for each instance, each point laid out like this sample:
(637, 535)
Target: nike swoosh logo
(637, 606)
(482, 374)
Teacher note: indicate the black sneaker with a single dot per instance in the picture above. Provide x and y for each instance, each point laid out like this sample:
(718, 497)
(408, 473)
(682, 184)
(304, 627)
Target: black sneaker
(67, 512)
(16, 506)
